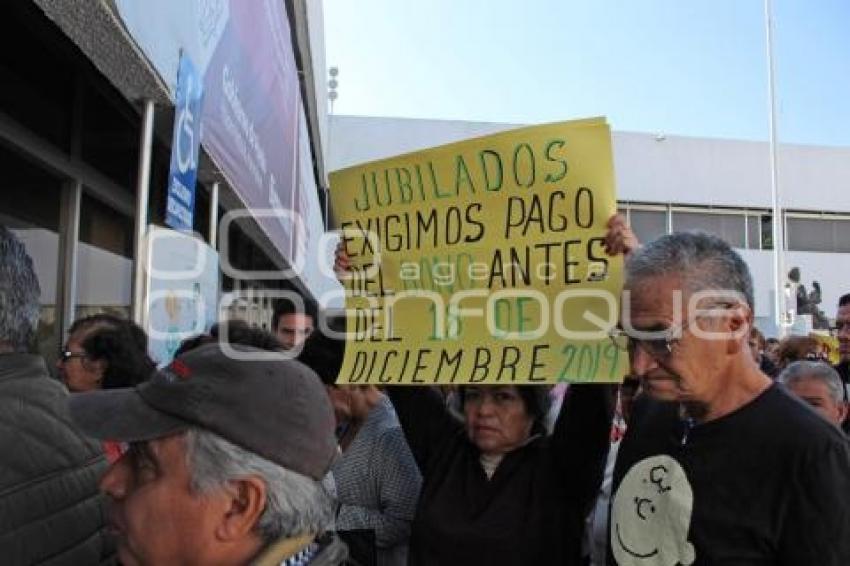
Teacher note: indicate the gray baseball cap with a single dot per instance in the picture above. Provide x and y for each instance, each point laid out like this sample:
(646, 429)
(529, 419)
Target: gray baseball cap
(273, 406)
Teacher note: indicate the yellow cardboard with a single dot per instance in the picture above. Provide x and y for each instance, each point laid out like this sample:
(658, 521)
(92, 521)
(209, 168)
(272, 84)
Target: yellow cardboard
(485, 262)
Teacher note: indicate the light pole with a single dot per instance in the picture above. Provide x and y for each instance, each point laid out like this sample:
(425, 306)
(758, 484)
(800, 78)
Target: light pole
(333, 72)
(332, 86)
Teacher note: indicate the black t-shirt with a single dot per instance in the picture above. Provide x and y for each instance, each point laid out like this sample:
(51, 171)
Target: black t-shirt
(766, 484)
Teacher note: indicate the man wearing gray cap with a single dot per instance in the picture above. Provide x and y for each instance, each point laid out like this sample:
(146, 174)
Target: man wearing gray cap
(225, 461)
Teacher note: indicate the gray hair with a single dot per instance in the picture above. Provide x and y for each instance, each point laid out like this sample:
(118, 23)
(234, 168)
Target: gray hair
(703, 261)
(806, 369)
(295, 504)
(19, 294)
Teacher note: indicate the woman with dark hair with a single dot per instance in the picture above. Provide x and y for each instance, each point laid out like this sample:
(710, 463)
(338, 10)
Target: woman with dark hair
(104, 352)
(537, 400)
(496, 489)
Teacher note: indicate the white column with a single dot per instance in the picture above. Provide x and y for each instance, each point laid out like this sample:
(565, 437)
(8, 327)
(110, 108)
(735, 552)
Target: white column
(142, 192)
(214, 215)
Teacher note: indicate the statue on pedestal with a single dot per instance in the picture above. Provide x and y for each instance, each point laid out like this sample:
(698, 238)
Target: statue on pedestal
(807, 302)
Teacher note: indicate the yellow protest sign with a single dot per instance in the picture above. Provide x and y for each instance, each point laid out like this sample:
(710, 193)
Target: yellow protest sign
(483, 261)
(829, 346)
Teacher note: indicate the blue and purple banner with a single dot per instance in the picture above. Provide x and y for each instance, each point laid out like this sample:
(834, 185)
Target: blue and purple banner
(243, 52)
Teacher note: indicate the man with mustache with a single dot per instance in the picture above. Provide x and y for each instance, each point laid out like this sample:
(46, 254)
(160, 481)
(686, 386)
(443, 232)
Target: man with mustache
(228, 447)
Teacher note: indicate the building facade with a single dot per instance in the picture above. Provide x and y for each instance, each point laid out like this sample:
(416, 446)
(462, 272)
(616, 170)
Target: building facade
(86, 122)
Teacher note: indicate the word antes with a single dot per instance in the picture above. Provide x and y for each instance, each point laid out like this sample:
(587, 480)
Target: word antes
(566, 262)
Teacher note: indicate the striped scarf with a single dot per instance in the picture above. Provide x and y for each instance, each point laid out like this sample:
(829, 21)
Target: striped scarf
(303, 557)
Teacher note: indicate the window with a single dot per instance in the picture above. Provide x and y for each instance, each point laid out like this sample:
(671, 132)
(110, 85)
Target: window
(809, 234)
(842, 235)
(754, 232)
(30, 209)
(105, 247)
(110, 134)
(105, 228)
(818, 234)
(730, 227)
(766, 232)
(648, 224)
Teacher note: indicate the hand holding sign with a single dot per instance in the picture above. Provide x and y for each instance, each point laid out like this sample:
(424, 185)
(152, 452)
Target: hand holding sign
(620, 238)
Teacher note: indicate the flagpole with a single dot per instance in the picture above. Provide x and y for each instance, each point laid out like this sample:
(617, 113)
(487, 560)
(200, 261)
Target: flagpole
(778, 219)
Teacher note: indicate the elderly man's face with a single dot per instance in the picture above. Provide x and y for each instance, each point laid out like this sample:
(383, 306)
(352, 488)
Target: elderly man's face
(842, 320)
(688, 370)
(155, 515)
(816, 393)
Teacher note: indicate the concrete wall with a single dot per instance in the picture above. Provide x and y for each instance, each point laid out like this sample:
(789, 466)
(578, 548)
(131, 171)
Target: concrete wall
(729, 172)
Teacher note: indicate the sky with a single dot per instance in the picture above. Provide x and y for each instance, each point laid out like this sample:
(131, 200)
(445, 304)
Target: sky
(678, 67)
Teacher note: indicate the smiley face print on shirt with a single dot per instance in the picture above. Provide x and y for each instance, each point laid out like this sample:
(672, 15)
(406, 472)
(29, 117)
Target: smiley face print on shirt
(651, 515)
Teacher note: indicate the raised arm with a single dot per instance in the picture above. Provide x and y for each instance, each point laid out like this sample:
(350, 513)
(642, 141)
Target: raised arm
(581, 439)
(425, 419)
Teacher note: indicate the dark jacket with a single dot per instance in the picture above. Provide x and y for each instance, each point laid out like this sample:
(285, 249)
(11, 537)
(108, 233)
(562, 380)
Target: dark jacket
(50, 508)
(843, 369)
(531, 511)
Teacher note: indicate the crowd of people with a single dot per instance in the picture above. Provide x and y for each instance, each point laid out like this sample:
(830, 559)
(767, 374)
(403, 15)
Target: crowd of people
(719, 447)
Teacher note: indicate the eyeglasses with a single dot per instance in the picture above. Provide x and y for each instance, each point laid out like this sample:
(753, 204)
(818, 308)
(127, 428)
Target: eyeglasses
(67, 355)
(659, 348)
